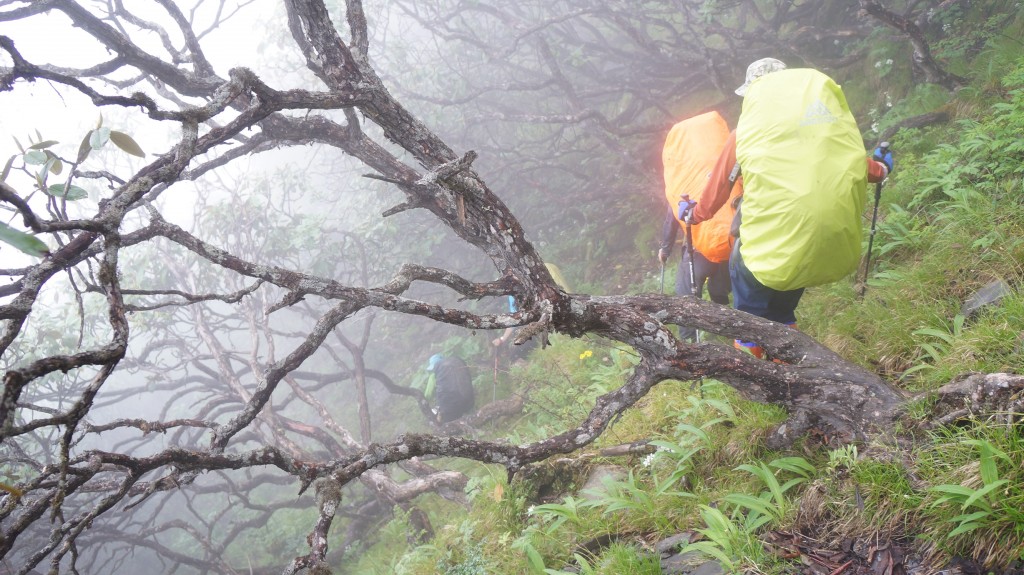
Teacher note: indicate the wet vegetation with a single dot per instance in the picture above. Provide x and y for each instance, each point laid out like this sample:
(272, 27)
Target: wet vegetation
(215, 356)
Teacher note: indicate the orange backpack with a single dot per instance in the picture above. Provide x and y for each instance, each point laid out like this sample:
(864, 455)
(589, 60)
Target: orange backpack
(691, 150)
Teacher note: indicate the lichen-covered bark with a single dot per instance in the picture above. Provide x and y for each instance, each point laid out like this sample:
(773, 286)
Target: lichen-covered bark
(934, 73)
(219, 416)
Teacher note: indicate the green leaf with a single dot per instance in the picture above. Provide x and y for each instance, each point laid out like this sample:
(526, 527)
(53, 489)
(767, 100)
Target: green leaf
(751, 503)
(99, 138)
(970, 517)
(953, 489)
(667, 445)
(931, 352)
(713, 422)
(721, 406)
(989, 471)
(41, 176)
(35, 157)
(44, 172)
(709, 548)
(957, 493)
(84, 148)
(943, 335)
(716, 521)
(74, 192)
(976, 498)
(583, 563)
(963, 528)
(694, 431)
(665, 487)
(678, 452)
(958, 323)
(534, 557)
(916, 368)
(43, 145)
(27, 243)
(792, 483)
(126, 143)
(797, 465)
(753, 522)
(764, 474)
(7, 168)
(53, 163)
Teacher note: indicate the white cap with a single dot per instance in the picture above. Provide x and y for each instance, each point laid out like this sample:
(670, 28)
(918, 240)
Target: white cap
(759, 68)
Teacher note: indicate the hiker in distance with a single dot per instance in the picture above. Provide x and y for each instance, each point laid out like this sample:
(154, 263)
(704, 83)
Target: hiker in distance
(805, 178)
(451, 387)
(691, 149)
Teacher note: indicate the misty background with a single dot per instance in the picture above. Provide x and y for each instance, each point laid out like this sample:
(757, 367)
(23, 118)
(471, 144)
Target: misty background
(566, 103)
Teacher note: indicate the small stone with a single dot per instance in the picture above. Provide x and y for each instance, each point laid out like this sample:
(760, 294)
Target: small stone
(672, 544)
(709, 568)
(683, 564)
(986, 296)
(594, 487)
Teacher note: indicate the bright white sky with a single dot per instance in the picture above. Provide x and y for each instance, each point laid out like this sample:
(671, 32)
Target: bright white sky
(62, 114)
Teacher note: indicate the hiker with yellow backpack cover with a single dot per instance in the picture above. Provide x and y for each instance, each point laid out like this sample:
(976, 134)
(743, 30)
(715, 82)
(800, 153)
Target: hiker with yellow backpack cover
(805, 174)
(691, 149)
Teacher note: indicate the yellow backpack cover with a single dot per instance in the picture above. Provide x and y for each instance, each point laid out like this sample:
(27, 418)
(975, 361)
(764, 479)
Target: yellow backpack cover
(691, 150)
(805, 180)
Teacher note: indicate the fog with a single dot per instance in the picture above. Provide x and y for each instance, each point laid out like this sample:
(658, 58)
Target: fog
(226, 321)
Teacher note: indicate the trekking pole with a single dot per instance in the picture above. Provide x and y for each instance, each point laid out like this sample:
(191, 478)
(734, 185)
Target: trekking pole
(697, 385)
(662, 277)
(688, 219)
(494, 386)
(884, 147)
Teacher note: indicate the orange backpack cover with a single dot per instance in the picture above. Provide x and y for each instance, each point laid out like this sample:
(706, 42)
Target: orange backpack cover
(691, 150)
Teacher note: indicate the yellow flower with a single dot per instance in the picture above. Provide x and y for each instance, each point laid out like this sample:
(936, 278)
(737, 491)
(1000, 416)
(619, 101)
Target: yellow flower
(586, 354)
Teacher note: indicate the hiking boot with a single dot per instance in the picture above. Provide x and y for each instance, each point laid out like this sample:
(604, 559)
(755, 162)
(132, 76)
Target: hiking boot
(749, 347)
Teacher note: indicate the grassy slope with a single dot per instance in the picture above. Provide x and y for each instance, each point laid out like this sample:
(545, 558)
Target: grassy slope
(951, 221)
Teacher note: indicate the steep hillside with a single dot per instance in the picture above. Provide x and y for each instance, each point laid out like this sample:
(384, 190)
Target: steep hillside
(684, 482)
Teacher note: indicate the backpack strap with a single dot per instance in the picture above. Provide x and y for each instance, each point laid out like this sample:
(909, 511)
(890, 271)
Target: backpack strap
(734, 174)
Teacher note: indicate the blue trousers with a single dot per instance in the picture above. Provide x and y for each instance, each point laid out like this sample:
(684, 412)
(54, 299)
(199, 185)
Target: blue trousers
(716, 275)
(753, 297)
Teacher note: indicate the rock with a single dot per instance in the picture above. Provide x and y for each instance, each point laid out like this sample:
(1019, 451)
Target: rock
(549, 481)
(709, 568)
(671, 545)
(689, 564)
(986, 296)
(682, 564)
(594, 488)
